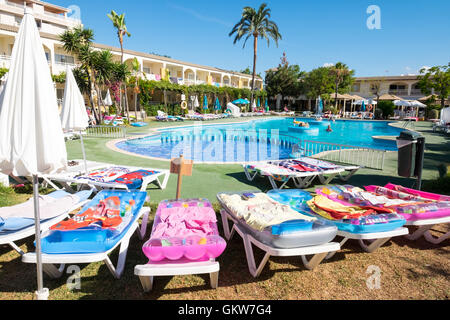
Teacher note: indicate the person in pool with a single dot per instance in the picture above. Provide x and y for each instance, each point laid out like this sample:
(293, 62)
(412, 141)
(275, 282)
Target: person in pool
(329, 129)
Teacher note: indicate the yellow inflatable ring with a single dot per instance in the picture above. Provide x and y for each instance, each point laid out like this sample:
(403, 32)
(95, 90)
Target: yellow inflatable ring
(184, 105)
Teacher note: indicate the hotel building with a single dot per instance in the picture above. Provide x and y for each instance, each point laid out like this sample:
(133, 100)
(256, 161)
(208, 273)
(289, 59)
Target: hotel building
(53, 20)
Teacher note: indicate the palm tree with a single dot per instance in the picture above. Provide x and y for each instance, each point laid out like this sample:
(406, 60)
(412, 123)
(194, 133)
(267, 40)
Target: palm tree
(257, 24)
(119, 23)
(339, 73)
(78, 41)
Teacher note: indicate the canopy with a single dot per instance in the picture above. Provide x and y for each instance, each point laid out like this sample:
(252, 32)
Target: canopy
(108, 101)
(338, 96)
(433, 96)
(390, 97)
(31, 137)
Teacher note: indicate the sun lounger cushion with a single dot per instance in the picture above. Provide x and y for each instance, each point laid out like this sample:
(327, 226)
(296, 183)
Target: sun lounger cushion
(98, 227)
(184, 229)
(105, 175)
(53, 205)
(363, 220)
(133, 180)
(275, 224)
(412, 204)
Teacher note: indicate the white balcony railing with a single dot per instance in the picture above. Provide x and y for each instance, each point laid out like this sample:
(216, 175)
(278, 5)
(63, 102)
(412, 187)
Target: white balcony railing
(46, 13)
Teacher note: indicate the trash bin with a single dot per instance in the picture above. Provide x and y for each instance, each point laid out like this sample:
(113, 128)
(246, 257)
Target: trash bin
(411, 148)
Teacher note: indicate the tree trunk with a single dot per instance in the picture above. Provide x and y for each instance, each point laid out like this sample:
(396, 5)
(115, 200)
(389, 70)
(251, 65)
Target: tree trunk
(255, 57)
(125, 81)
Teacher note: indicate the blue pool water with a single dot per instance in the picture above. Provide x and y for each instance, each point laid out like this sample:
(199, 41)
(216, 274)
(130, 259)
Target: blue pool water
(258, 140)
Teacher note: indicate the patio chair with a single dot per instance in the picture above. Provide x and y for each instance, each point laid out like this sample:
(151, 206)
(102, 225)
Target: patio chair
(111, 177)
(55, 207)
(94, 242)
(297, 242)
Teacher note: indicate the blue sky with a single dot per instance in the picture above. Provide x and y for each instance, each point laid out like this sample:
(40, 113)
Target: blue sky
(413, 34)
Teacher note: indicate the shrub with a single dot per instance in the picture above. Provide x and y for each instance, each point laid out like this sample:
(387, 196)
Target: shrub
(387, 108)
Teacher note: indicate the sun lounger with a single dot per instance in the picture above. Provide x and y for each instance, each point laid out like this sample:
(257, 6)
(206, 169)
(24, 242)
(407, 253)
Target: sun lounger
(288, 234)
(104, 224)
(435, 211)
(345, 172)
(278, 174)
(184, 241)
(54, 207)
(112, 177)
(162, 116)
(372, 230)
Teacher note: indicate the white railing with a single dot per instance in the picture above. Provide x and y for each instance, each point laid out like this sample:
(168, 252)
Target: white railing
(106, 132)
(340, 153)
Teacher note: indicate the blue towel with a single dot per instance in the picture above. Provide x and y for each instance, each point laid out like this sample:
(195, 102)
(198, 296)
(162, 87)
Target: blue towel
(15, 224)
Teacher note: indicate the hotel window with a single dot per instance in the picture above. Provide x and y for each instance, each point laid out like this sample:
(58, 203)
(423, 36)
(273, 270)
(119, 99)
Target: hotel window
(397, 87)
(147, 70)
(356, 87)
(61, 58)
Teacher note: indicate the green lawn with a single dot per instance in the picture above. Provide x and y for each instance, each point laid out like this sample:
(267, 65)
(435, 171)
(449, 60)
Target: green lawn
(410, 270)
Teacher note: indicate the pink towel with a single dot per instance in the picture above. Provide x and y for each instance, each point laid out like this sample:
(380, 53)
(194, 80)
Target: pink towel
(184, 222)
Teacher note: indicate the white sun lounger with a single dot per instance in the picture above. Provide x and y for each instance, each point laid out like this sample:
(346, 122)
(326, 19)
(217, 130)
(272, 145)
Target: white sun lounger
(50, 260)
(11, 237)
(69, 178)
(147, 272)
(301, 179)
(318, 252)
(425, 227)
(370, 242)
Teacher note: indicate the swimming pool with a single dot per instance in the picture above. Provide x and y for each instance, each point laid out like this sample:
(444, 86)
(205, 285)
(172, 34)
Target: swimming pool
(257, 140)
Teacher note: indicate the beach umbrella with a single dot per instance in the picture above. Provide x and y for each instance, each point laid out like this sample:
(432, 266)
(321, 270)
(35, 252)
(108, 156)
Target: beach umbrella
(217, 106)
(363, 106)
(74, 116)
(402, 103)
(259, 103)
(254, 105)
(31, 137)
(205, 103)
(267, 105)
(417, 104)
(108, 101)
(320, 106)
(196, 103)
